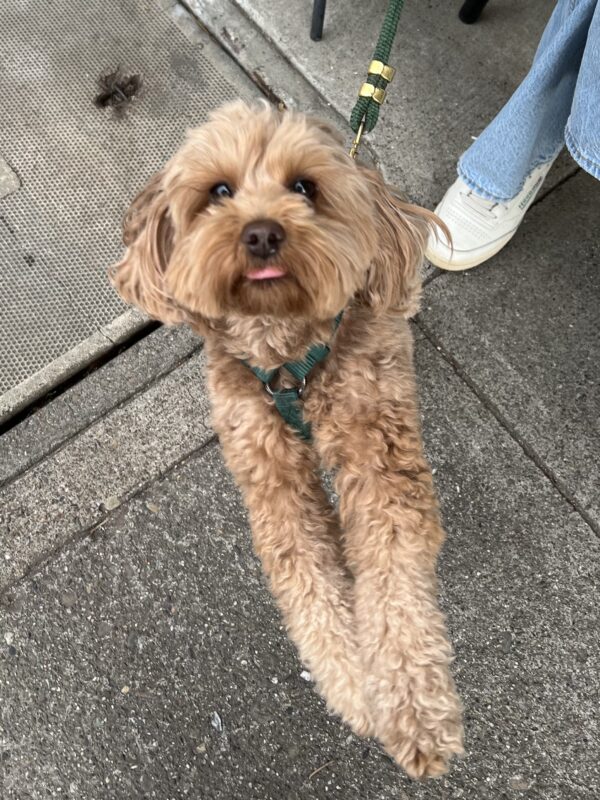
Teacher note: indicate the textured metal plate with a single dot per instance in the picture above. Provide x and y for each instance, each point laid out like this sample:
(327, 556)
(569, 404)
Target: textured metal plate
(71, 166)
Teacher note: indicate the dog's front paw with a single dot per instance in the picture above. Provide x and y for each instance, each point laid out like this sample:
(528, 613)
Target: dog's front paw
(350, 703)
(421, 729)
(425, 753)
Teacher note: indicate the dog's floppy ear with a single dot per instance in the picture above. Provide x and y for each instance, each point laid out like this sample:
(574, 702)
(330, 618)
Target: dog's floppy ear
(148, 237)
(394, 275)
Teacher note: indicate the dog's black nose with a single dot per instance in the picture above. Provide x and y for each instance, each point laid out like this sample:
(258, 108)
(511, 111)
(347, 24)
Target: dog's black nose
(263, 237)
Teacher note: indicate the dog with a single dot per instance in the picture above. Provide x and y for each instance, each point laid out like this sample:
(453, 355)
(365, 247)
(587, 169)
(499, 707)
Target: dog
(258, 233)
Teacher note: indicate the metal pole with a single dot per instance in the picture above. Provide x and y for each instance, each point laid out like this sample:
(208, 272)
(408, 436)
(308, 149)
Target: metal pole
(318, 17)
(471, 10)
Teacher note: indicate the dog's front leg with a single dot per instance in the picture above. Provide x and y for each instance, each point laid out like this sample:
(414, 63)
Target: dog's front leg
(297, 537)
(392, 536)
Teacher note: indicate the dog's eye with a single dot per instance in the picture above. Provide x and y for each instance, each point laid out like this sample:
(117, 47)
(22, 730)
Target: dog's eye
(304, 187)
(221, 190)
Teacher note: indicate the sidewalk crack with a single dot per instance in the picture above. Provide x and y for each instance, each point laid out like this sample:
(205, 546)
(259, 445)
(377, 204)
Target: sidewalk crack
(505, 423)
(139, 390)
(540, 199)
(50, 555)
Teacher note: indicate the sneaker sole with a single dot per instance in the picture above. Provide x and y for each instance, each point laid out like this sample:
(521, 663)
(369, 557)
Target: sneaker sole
(452, 265)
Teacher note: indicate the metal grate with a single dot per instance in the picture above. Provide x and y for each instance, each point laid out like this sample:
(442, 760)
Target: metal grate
(78, 164)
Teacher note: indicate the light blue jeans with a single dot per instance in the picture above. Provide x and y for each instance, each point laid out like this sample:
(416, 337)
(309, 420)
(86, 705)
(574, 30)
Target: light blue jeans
(558, 102)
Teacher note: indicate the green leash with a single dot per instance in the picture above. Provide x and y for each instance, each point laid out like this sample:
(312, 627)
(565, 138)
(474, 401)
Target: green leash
(289, 401)
(372, 93)
(364, 118)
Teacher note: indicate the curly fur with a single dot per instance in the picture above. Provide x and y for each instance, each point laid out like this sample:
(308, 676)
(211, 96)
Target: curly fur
(357, 587)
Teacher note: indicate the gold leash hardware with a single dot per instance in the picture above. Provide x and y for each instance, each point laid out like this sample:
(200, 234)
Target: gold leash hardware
(357, 138)
(379, 68)
(375, 93)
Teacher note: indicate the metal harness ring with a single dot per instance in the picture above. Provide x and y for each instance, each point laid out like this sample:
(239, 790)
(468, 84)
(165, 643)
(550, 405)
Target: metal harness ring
(298, 389)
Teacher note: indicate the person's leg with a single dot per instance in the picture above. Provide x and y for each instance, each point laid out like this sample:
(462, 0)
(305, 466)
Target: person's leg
(503, 170)
(529, 130)
(582, 133)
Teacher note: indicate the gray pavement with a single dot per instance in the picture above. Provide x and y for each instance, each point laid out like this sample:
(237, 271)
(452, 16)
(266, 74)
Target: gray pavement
(141, 655)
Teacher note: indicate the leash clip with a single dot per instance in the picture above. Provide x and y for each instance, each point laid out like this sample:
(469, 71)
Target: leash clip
(357, 138)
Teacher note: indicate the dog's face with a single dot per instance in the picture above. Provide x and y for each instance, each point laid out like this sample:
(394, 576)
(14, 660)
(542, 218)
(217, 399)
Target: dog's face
(263, 213)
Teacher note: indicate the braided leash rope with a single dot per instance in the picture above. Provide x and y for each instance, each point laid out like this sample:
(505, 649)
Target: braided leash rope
(372, 93)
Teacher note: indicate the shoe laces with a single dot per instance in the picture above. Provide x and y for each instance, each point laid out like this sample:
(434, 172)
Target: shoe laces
(487, 209)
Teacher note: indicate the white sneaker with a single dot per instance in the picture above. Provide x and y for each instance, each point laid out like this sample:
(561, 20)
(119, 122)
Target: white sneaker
(479, 227)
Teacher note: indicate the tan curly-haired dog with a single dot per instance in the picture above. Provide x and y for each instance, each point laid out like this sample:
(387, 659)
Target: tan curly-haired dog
(257, 233)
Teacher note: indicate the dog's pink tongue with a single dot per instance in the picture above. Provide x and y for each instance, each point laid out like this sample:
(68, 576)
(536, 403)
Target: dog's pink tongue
(263, 273)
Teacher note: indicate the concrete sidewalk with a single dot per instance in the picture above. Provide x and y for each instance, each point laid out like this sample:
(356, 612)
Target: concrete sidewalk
(141, 655)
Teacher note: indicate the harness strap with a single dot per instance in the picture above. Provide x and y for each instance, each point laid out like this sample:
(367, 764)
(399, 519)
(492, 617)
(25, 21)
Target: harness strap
(288, 402)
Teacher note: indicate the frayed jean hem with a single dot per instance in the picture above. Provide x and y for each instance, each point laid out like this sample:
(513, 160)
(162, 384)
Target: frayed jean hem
(585, 162)
(481, 191)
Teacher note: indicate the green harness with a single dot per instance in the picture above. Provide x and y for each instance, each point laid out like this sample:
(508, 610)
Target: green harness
(289, 401)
